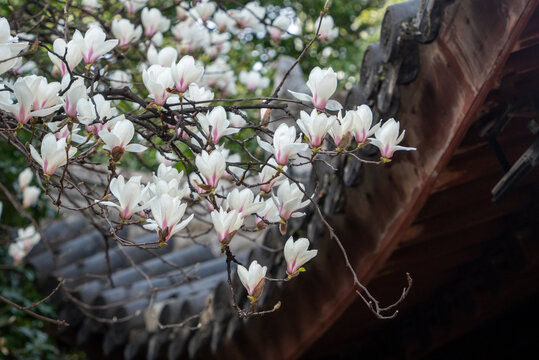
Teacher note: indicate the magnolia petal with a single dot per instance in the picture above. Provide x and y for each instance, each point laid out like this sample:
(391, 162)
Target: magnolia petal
(333, 105)
(264, 145)
(301, 96)
(135, 148)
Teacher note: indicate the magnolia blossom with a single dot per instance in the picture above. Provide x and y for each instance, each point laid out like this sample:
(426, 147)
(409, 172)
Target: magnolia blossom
(269, 213)
(26, 239)
(328, 31)
(216, 125)
(76, 92)
(167, 180)
(279, 28)
(186, 72)
(53, 153)
(285, 146)
(341, 129)
(132, 6)
(157, 80)
(253, 279)
(30, 195)
(95, 109)
(125, 31)
(253, 80)
(91, 5)
(288, 201)
(196, 36)
(69, 51)
(10, 47)
(322, 83)
(223, 20)
(117, 139)
(120, 79)
(165, 57)
(249, 17)
(226, 224)
(45, 94)
(93, 45)
(204, 10)
(237, 120)
(24, 109)
(211, 166)
(361, 121)
(167, 159)
(167, 214)
(243, 202)
(65, 131)
(130, 194)
(270, 176)
(154, 21)
(296, 254)
(25, 177)
(387, 138)
(197, 93)
(315, 126)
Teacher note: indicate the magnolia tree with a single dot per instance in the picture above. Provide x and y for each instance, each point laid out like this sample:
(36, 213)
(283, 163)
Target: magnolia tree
(103, 85)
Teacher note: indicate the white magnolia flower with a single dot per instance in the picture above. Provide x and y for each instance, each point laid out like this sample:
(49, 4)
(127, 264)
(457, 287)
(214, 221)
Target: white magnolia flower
(132, 6)
(10, 47)
(196, 36)
(64, 131)
(76, 92)
(129, 194)
(186, 72)
(243, 202)
(223, 21)
(30, 195)
(279, 28)
(249, 17)
(285, 146)
(157, 80)
(91, 5)
(16, 251)
(25, 177)
(237, 120)
(328, 31)
(167, 180)
(361, 121)
(269, 213)
(288, 201)
(204, 10)
(53, 153)
(117, 139)
(70, 51)
(45, 94)
(120, 79)
(341, 129)
(165, 57)
(154, 21)
(322, 83)
(296, 254)
(27, 237)
(167, 159)
(94, 44)
(253, 80)
(95, 109)
(270, 176)
(226, 224)
(125, 31)
(315, 126)
(211, 166)
(215, 124)
(387, 138)
(197, 93)
(24, 109)
(253, 279)
(167, 213)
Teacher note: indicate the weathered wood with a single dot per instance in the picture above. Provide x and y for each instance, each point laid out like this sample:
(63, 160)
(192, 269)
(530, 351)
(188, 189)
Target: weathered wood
(371, 67)
(353, 172)
(395, 24)
(408, 64)
(427, 21)
(388, 99)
